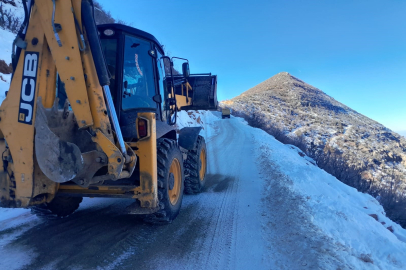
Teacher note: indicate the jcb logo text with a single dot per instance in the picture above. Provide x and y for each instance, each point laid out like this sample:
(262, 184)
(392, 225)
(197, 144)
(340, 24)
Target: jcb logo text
(28, 88)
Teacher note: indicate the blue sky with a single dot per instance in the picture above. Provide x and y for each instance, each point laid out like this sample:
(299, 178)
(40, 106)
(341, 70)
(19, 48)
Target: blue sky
(355, 51)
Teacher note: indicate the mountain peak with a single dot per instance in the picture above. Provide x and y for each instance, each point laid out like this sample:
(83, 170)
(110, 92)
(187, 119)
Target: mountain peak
(283, 81)
(283, 73)
(285, 77)
(283, 87)
(349, 145)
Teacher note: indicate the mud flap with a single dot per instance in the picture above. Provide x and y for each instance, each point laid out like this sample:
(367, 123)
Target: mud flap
(59, 160)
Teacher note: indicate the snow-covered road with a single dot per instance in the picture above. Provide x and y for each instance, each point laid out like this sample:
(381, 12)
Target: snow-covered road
(218, 229)
(256, 213)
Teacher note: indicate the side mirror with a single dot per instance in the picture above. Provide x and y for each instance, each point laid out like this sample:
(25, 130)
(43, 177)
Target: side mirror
(185, 69)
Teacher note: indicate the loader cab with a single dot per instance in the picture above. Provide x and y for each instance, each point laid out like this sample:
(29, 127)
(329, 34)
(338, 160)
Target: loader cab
(137, 83)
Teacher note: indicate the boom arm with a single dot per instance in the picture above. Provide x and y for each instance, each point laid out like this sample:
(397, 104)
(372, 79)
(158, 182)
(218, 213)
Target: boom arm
(30, 119)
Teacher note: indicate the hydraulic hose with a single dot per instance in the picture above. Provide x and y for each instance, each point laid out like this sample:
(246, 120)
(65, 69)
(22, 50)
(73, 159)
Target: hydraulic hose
(100, 64)
(53, 24)
(94, 42)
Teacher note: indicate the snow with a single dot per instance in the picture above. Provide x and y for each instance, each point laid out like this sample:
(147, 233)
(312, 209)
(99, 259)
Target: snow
(6, 38)
(6, 43)
(4, 85)
(15, 222)
(204, 119)
(341, 214)
(17, 10)
(340, 211)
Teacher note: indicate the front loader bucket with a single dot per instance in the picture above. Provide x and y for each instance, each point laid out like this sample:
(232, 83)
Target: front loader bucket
(59, 160)
(204, 92)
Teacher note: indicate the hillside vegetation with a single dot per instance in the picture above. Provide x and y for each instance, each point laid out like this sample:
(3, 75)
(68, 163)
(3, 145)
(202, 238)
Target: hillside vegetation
(356, 149)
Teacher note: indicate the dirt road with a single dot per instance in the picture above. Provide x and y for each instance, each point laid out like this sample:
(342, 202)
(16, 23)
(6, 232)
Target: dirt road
(225, 227)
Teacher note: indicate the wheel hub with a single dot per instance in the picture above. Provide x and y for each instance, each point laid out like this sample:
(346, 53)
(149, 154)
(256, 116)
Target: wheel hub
(171, 181)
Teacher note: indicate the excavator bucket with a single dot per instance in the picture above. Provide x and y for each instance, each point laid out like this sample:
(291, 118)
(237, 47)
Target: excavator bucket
(59, 160)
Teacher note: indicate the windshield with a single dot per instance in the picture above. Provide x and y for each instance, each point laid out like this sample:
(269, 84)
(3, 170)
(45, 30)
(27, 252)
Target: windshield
(138, 75)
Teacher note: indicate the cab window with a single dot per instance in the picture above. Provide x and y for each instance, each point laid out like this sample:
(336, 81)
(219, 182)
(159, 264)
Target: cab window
(138, 75)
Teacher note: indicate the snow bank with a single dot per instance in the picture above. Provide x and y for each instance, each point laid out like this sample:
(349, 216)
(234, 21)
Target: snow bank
(204, 119)
(354, 220)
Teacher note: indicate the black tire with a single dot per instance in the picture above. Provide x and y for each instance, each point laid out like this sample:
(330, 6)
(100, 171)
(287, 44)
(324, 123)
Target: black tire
(167, 152)
(59, 207)
(194, 183)
(222, 117)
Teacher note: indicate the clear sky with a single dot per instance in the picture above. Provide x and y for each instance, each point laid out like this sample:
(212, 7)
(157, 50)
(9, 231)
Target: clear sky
(353, 50)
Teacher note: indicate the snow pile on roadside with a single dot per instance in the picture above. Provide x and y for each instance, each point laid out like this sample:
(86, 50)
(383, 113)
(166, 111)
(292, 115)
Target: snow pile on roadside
(204, 119)
(354, 220)
(356, 224)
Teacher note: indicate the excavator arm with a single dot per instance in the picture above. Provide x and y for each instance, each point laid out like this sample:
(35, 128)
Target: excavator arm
(43, 145)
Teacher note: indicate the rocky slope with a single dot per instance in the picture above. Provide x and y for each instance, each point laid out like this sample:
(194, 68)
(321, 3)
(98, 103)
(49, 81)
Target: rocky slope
(356, 149)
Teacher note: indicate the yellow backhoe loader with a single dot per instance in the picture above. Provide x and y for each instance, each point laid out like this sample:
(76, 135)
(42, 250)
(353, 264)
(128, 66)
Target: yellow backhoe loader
(91, 112)
(225, 113)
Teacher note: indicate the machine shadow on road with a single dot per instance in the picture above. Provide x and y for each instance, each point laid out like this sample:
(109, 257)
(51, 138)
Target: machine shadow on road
(98, 236)
(218, 182)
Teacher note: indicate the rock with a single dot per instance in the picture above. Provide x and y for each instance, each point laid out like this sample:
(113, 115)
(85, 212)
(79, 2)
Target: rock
(4, 68)
(367, 175)
(375, 216)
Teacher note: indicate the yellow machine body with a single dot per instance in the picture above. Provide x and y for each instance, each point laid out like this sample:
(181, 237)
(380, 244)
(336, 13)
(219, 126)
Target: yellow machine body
(32, 126)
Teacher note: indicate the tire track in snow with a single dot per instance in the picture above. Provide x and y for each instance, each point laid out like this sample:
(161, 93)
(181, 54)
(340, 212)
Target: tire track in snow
(222, 236)
(214, 230)
(227, 148)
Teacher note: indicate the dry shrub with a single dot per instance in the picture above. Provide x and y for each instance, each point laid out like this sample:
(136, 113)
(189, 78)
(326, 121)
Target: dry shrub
(4, 68)
(8, 20)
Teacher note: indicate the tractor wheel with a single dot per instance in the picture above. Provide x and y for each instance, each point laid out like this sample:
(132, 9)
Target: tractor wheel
(196, 167)
(170, 182)
(59, 207)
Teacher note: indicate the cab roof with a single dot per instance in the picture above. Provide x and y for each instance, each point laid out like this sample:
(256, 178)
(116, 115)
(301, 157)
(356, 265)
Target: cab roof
(130, 30)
